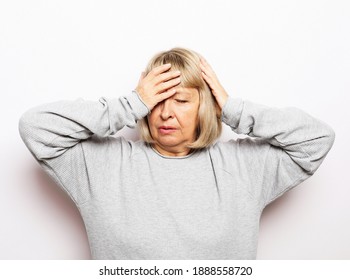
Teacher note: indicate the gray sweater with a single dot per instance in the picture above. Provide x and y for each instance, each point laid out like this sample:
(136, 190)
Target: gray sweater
(139, 204)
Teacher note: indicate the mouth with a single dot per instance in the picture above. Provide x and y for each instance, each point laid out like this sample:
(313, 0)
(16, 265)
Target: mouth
(166, 129)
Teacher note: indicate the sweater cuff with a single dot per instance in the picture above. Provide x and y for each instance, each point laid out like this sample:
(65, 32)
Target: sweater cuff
(232, 111)
(138, 106)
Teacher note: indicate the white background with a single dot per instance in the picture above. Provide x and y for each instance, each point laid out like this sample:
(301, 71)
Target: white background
(279, 53)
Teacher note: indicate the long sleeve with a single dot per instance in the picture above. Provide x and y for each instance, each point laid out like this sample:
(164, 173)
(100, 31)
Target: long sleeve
(288, 147)
(54, 134)
(49, 130)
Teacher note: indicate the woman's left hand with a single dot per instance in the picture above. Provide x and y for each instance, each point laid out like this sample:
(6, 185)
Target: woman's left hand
(210, 77)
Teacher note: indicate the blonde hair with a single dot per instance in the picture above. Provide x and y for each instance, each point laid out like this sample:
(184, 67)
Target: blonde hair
(209, 114)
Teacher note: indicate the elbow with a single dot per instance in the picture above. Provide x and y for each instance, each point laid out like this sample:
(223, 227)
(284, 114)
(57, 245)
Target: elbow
(324, 147)
(329, 139)
(27, 128)
(28, 131)
(24, 125)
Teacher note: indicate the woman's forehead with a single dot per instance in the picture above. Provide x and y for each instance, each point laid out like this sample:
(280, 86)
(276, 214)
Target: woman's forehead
(187, 91)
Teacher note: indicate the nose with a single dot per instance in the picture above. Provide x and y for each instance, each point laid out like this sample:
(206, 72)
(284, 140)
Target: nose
(166, 111)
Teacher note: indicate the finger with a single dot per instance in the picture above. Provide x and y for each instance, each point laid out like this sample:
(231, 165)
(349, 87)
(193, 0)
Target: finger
(166, 94)
(213, 83)
(205, 71)
(204, 63)
(167, 85)
(167, 76)
(142, 76)
(160, 69)
(206, 68)
(207, 78)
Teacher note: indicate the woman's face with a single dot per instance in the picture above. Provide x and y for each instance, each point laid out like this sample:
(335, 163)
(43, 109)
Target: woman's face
(173, 122)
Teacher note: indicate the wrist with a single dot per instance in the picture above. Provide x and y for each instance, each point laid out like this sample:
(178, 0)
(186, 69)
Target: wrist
(223, 100)
(139, 103)
(142, 99)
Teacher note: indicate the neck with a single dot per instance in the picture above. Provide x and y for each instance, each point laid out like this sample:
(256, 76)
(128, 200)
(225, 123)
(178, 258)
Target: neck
(172, 152)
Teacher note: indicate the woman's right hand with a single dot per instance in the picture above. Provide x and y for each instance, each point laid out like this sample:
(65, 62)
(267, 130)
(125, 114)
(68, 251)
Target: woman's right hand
(158, 85)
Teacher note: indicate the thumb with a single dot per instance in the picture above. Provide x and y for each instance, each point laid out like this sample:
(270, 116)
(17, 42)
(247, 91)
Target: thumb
(142, 76)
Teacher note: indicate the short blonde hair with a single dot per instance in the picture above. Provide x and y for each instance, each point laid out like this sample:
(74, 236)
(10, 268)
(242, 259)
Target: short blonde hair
(209, 114)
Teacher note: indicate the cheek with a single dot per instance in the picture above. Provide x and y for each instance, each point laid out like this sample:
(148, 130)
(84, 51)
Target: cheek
(190, 119)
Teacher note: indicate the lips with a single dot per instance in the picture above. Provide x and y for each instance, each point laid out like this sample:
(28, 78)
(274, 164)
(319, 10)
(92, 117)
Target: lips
(166, 129)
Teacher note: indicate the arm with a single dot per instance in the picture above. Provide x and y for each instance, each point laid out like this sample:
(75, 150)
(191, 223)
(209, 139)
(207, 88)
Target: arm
(56, 133)
(303, 138)
(289, 144)
(51, 129)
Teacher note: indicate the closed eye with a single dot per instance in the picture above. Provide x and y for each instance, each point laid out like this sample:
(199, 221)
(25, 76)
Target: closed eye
(181, 100)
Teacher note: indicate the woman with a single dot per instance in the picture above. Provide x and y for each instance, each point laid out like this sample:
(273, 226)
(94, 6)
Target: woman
(176, 194)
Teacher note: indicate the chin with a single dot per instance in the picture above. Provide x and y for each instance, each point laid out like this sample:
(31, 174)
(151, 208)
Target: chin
(168, 143)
